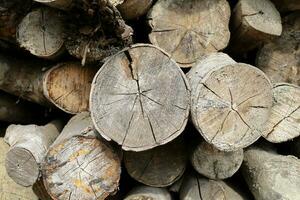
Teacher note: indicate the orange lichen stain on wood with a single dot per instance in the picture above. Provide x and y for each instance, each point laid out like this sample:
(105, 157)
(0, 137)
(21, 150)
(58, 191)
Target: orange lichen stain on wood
(80, 184)
(81, 152)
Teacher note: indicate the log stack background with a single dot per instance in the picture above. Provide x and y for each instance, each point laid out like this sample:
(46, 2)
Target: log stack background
(150, 99)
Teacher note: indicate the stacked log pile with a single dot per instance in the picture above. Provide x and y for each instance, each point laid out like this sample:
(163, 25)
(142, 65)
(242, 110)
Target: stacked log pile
(150, 99)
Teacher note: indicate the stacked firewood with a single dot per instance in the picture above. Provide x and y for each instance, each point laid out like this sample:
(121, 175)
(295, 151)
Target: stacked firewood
(150, 99)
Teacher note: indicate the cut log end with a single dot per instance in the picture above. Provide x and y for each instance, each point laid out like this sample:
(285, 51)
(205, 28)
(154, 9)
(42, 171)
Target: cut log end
(81, 168)
(140, 98)
(21, 166)
(148, 193)
(132, 9)
(72, 86)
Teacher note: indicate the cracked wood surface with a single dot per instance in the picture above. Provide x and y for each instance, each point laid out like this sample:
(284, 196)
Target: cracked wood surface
(189, 29)
(230, 102)
(41, 32)
(271, 176)
(148, 193)
(133, 9)
(284, 121)
(158, 167)
(215, 164)
(140, 98)
(254, 22)
(28, 147)
(279, 58)
(199, 188)
(78, 165)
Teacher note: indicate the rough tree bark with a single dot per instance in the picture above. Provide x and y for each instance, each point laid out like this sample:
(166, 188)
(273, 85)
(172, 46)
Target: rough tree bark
(198, 188)
(287, 5)
(279, 58)
(11, 13)
(283, 123)
(215, 164)
(158, 167)
(230, 101)
(146, 192)
(271, 176)
(9, 190)
(39, 83)
(254, 22)
(41, 32)
(133, 9)
(140, 98)
(28, 148)
(78, 165)
(189, 29)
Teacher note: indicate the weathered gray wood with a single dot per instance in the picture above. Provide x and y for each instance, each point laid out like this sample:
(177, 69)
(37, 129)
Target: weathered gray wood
(66, 85)
(158, 167)
(189, 29)
(41, 32)
(287, 5)
(271, 176)
(146, 192)
(196, 187)
(28, 147)
(133, 9)
(283, 123)
(80, 166)
(254, 22)
(279, 58)
(9, 190)
(230, 101)
(215, 164)
(140, 98)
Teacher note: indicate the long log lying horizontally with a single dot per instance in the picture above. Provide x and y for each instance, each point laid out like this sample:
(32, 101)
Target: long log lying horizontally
(188, 30)
(140, 98)
(158, 167)
(28, 148)
(271, 176)
(230, 102)
(254, 22)
(283, 123)
(66, 85)
(215, 164)
(146, 192)
(78, 165)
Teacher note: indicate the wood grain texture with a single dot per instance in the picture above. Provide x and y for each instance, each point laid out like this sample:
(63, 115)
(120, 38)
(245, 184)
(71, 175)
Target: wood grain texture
(140, 98)
(41, 32)
(271, 176)
(196, 187)
(133, 9)
(158, 167)
(9, 190)
(254, 22)
(215, 164)
(189, 29)
(283, 123)
(28, 147)
(148, 193)
(279, 58)
(230, 103)
(80, 166)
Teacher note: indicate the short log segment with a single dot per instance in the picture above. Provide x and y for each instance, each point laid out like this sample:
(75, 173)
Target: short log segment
(215, 164)
(197, 187)
(283, 124)
(190, 29)
(158, 167)
(66, 85)
(271, 176)
(41, 32)
(279, 58)
(133, 9)
(287, 5)
(254, 22)
(28, 148)
(145, 192)
(80, 166)
(9, 190)
(140, 98)
(230, 103)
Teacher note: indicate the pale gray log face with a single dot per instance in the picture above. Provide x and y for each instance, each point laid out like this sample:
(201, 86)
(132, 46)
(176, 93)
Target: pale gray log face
(148, 193)
(140, 98)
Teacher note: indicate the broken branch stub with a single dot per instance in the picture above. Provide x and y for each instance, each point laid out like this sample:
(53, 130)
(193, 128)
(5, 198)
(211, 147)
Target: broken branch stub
(140, 98)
